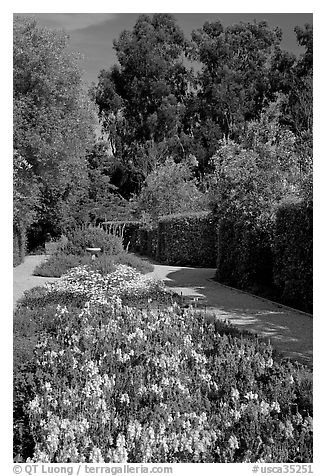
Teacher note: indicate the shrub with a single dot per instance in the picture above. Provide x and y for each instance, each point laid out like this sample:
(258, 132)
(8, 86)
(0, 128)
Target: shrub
(244, 255)
(80, 239)
(19, 244)
(59, 263)
(39, 298)
(137, 263)
(293, 254)
(187, 239)
(170, 188)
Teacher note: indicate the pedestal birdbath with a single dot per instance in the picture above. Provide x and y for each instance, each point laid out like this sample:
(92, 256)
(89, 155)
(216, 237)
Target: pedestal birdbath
(93, 251)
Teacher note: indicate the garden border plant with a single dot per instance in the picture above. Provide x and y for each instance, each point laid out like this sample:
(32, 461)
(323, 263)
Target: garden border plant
(71, 253)
(200, 389)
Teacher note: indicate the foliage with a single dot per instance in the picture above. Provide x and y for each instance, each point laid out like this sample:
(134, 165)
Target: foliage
(244, 253)
(251, 178)
(146, 241)
(81, 238)
(36, 309)
(152, 105)
(25, 191)
(247, 183)
(135, 262)
(59, 263)
(170, 188)
(293, 254)
(25, 200)
(53, 119)
(19, 244)
(187, 239)
(105, 201)
(233, 83)
(141, 99)
(179, 389)
(122, 283)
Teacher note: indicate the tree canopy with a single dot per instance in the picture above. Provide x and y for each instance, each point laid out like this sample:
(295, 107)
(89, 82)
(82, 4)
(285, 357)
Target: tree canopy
(154, 105)
(228, 99)
(53, 117)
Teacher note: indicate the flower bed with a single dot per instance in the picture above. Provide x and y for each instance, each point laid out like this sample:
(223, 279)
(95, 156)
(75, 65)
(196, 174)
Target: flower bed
(121, 284)
(60, 263)
(113, 383)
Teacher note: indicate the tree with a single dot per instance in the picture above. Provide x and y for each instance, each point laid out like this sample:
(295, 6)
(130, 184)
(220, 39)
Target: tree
(142, 100)
(25, 192)
(250, 178)
(234, 80)
(104, 199)
(171, 188)
(53, 119)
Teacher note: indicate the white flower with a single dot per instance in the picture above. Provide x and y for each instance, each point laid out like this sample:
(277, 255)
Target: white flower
(235, 394)
(276, 406)
(251, 396)
(125, 398)
(264, 408)
(233, 442)
(269, 362)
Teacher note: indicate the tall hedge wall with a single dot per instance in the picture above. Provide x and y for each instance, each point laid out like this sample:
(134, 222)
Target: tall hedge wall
(244, 254)
(293, 254)
(187, 239)
(19, 244)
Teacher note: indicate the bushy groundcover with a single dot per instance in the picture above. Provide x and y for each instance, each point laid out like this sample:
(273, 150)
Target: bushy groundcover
(60, 263)
(110, 382)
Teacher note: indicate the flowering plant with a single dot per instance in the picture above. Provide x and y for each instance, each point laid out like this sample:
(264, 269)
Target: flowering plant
(124, 282)
(118, 384)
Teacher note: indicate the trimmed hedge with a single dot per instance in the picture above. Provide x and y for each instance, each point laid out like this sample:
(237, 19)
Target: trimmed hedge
(273, 258)
(187, 239)
(19, 244)
(244, 254)
(293, 254)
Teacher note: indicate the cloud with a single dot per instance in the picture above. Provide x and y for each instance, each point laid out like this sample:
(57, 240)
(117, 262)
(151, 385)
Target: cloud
(71, 21)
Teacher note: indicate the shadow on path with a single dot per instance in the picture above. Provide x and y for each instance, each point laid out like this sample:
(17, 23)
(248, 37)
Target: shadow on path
(290, 331)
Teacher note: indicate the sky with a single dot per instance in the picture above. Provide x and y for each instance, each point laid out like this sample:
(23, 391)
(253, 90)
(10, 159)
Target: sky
(92, 34)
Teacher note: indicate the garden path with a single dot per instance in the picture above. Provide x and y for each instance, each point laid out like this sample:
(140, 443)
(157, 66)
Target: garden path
(290, 331)
(23, 276)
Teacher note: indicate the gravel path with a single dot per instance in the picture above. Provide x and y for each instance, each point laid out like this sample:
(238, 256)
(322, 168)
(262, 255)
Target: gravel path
(23, 276)
(290, 331)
